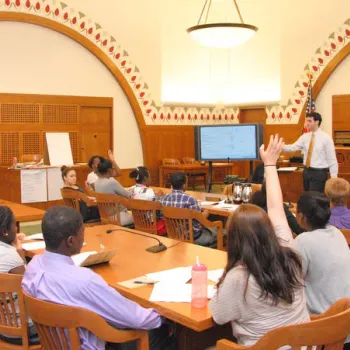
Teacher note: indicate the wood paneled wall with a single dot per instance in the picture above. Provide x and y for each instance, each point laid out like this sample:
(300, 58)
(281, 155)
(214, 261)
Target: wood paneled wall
(24, 120)
(341, 119)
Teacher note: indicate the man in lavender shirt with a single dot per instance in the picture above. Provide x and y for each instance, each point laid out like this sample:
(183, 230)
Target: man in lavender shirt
(53, 277)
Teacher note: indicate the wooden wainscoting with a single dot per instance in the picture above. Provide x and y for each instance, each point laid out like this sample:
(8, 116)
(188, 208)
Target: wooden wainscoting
(26, 118)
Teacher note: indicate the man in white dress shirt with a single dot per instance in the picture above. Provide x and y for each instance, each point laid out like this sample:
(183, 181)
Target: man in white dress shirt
(319, 154)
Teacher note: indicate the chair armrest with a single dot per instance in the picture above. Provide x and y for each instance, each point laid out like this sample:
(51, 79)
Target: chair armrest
(203, 221)
(225, 344)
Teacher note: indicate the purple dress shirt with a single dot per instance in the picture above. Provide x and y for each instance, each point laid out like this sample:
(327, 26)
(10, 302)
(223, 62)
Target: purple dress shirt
(340, 217)
(55, 278)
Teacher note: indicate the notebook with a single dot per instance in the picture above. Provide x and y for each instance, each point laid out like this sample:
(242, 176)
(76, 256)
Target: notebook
(93, 258)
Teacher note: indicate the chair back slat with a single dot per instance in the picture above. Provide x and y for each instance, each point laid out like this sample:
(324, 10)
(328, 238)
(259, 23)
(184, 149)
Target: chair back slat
(145, 214)
(71, 198)
(109, 206)
(13, 318)
(320, 332)
(58, 326)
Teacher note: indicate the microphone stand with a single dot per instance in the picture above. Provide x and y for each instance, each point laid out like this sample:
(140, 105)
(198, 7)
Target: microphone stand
(228, 200)
(154, 249)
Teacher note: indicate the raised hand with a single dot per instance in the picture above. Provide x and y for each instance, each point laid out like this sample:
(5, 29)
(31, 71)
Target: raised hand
(111, 155)
(272, 153)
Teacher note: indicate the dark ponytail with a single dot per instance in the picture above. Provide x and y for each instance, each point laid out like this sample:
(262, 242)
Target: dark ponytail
(139, 174)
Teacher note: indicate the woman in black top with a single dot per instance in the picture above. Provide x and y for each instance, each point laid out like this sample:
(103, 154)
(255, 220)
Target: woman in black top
(69, 177)
(259, 199)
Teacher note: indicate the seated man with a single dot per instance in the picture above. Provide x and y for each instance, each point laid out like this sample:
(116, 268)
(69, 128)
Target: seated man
(53, 277)
(179, 199)
(337, 190)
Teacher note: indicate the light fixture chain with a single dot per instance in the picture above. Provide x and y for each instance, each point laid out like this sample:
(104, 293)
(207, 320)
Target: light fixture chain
(200, 17)
(206, 17)
(238, 11)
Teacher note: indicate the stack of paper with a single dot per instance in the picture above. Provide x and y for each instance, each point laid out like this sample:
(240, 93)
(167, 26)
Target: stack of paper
(176, 276)
(33, 246)
(180, 293)
(215, 275)
(38, 236)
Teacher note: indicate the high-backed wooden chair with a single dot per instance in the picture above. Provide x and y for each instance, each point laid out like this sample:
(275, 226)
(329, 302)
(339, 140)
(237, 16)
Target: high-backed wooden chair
(192, 177)
(109, 206)
(327, 331)
(72, 199)
(170, 161)
(144, 214)
(179, 224)
(25, 158)
(9, 284)
(346, 234)
(58, 326)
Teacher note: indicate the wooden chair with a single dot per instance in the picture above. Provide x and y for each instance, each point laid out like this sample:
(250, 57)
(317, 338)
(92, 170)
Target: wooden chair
(72, 199)
(26, 158)
(58, 326)
(328, 331)
(109, 207)
(144, 214)
(192, 177)
(179, 224)
(346, 233)
(9, 284)
(170, 161)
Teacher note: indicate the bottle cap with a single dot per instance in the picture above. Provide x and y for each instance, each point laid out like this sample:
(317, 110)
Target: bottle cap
(200, 267)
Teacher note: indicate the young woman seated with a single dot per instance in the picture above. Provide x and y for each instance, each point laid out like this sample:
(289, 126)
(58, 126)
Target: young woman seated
(142, 191)
(107, 184)
(88, 207)
(337, 190)
(262, 286)
(259, 199)
(12, 260)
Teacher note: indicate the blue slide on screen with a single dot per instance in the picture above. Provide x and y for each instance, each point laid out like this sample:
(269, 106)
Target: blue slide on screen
(235, 142)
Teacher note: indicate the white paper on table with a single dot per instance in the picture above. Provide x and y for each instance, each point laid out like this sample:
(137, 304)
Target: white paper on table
(289, 168)
(54, 184)
(33, 245)
(215, 275)
(33, 186)
(78, 259)
(223, 205)
(38, 236)
(209, 203)
(175, 293)
(177, 275)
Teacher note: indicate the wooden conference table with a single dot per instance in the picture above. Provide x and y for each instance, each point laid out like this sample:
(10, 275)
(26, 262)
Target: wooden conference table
(132, 260)
(23, 213)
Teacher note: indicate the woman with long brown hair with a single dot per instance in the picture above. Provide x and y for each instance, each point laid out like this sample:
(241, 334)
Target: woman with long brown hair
(262, 286)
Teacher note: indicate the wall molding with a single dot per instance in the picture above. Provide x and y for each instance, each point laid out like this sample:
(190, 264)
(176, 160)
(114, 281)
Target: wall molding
(77, 26)
(321, 66)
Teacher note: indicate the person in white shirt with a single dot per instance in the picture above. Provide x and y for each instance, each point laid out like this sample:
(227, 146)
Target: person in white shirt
(319, 154)
(93, 164)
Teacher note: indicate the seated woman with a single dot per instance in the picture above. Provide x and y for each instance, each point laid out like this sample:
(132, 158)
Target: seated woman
(12, 260)
(93, 164)
(142, 191)
(262, 286)
(259, 199)
(88, 210)
(337, 190)
(107, 184)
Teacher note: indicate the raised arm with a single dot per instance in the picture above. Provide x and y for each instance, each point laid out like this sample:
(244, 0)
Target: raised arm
(116, 170)
(275, 207)
(296, 146)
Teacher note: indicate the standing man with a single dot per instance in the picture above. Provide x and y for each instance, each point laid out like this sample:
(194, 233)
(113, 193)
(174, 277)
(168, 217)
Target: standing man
(319, 154)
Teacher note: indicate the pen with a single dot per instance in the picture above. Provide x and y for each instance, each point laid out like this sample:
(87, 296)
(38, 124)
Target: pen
(142, 282)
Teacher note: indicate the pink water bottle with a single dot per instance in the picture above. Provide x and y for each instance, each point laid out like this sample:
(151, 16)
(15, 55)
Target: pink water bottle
(199, 297)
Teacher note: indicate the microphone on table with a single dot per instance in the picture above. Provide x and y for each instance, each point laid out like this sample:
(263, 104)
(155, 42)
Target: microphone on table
(154, 249)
